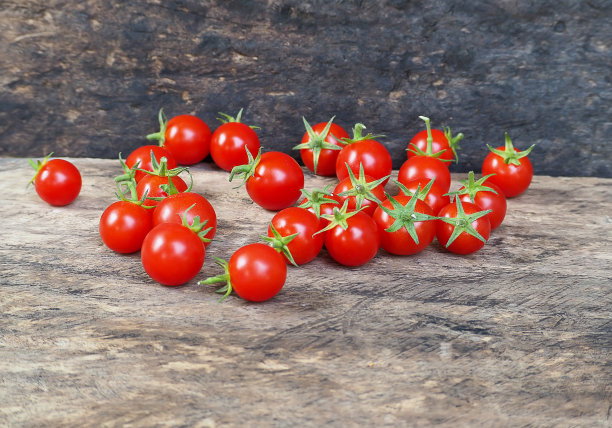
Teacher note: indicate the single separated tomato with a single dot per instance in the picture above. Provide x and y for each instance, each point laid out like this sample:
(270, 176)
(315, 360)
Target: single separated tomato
(273, 179)
(513, 170)
(172, 254)
(57, 181)
(124, 225)
(352, 238)
(434, 142)
(364, 151)
(230, 141)
(186, 136)
(256, 272)
(406, 225)
(463, 228)
(292, 232)
(486, 195)
(320, 147)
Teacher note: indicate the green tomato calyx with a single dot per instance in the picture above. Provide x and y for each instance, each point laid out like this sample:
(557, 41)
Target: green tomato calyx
(160, 136)
(463, 223)
(405, 215)
(471, 187)
(362, 189)
(338, 218)
(280, 243)
(358, 135)
(247, 170)
(316, 142)
(224, 277)
(317, 197)
(510, 155)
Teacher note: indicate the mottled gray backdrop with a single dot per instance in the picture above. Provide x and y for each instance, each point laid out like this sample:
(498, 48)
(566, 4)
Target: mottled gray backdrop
(86, 78)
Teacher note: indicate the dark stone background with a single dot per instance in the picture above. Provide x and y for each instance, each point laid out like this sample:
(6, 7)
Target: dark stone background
(86, 78)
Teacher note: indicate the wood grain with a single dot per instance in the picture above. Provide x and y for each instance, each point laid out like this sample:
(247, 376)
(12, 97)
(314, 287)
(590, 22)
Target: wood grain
(518, 334)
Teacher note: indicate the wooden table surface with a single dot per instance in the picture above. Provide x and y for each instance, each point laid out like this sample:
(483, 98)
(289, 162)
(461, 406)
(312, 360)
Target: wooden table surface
(518, 334)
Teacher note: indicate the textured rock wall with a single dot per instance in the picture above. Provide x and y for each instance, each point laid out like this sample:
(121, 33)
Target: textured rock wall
(87, 78)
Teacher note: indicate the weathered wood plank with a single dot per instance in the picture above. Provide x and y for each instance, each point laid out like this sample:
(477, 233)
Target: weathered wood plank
(516, 334)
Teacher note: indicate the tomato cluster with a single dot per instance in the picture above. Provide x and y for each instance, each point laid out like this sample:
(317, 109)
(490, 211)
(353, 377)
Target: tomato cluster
(158, 214)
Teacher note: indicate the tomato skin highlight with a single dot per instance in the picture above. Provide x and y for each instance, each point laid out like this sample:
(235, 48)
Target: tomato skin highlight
(142, 156)
(357, 244)
(489, 200)
(172, 208)
(58, 182)
(511, 179)
(171, 254)
(304, 247)
(229, 142)
(327, 159)
(425, 168)
(257, 272)
(400, 242)
(187, 137)
(375, 158)
(276, 182)
(124, 225)
(465, 243)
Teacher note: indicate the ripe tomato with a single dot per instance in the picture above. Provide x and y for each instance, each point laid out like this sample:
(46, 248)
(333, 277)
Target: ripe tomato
(57, 181)
(487, 196)
(320, 202)
(172, 208)
(434, 196)
(442, 142)
(124, 225)
(142, 157)
(513, 170)
(292, 232)
(425, 168)
(405, 225)
(366, 151)
(273, 179)
(186, 136)
(230, 141)
(256, 272)
(462, 228)
(352, 237)
(320, 147)
(365, 193)
(151, 185)
(172, 254)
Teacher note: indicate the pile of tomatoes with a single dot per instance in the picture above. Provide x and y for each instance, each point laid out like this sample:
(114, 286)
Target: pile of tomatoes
(158, 214)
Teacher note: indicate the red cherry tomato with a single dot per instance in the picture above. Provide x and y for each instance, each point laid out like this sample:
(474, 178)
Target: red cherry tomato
(124, 226)
(324, 208)
(326, 162)
(368, 205)
(229, 143)
(443, 145)
(276, 181)
(57, 181)
(357, 244)
(373, 155)
(425, 168)
(142, 156)
(511, 179)
(465, 243)
(257, 272)
(400, 242)
(150, 184)
(172, 254)
(436, 197)
(306, 245)
(488, 200)
(172, 209)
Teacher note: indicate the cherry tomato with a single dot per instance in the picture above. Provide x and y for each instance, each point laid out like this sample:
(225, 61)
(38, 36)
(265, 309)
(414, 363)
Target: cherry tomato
(124, 226)
(142, 156)
(273, 179)
(320, 147)
(151, 185)
(436, 197)
(468, 220)
(513, 170)
(425, 168)
(256, 272)
(304, 246)
(368, 200)
(186, 136)
(230, 141)
(172, 254)
(477, 193)
(320, 203)
(366, 151)
(398, 212)
(172, 208)
(354, 240)
(441, 142)
(57, 181)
